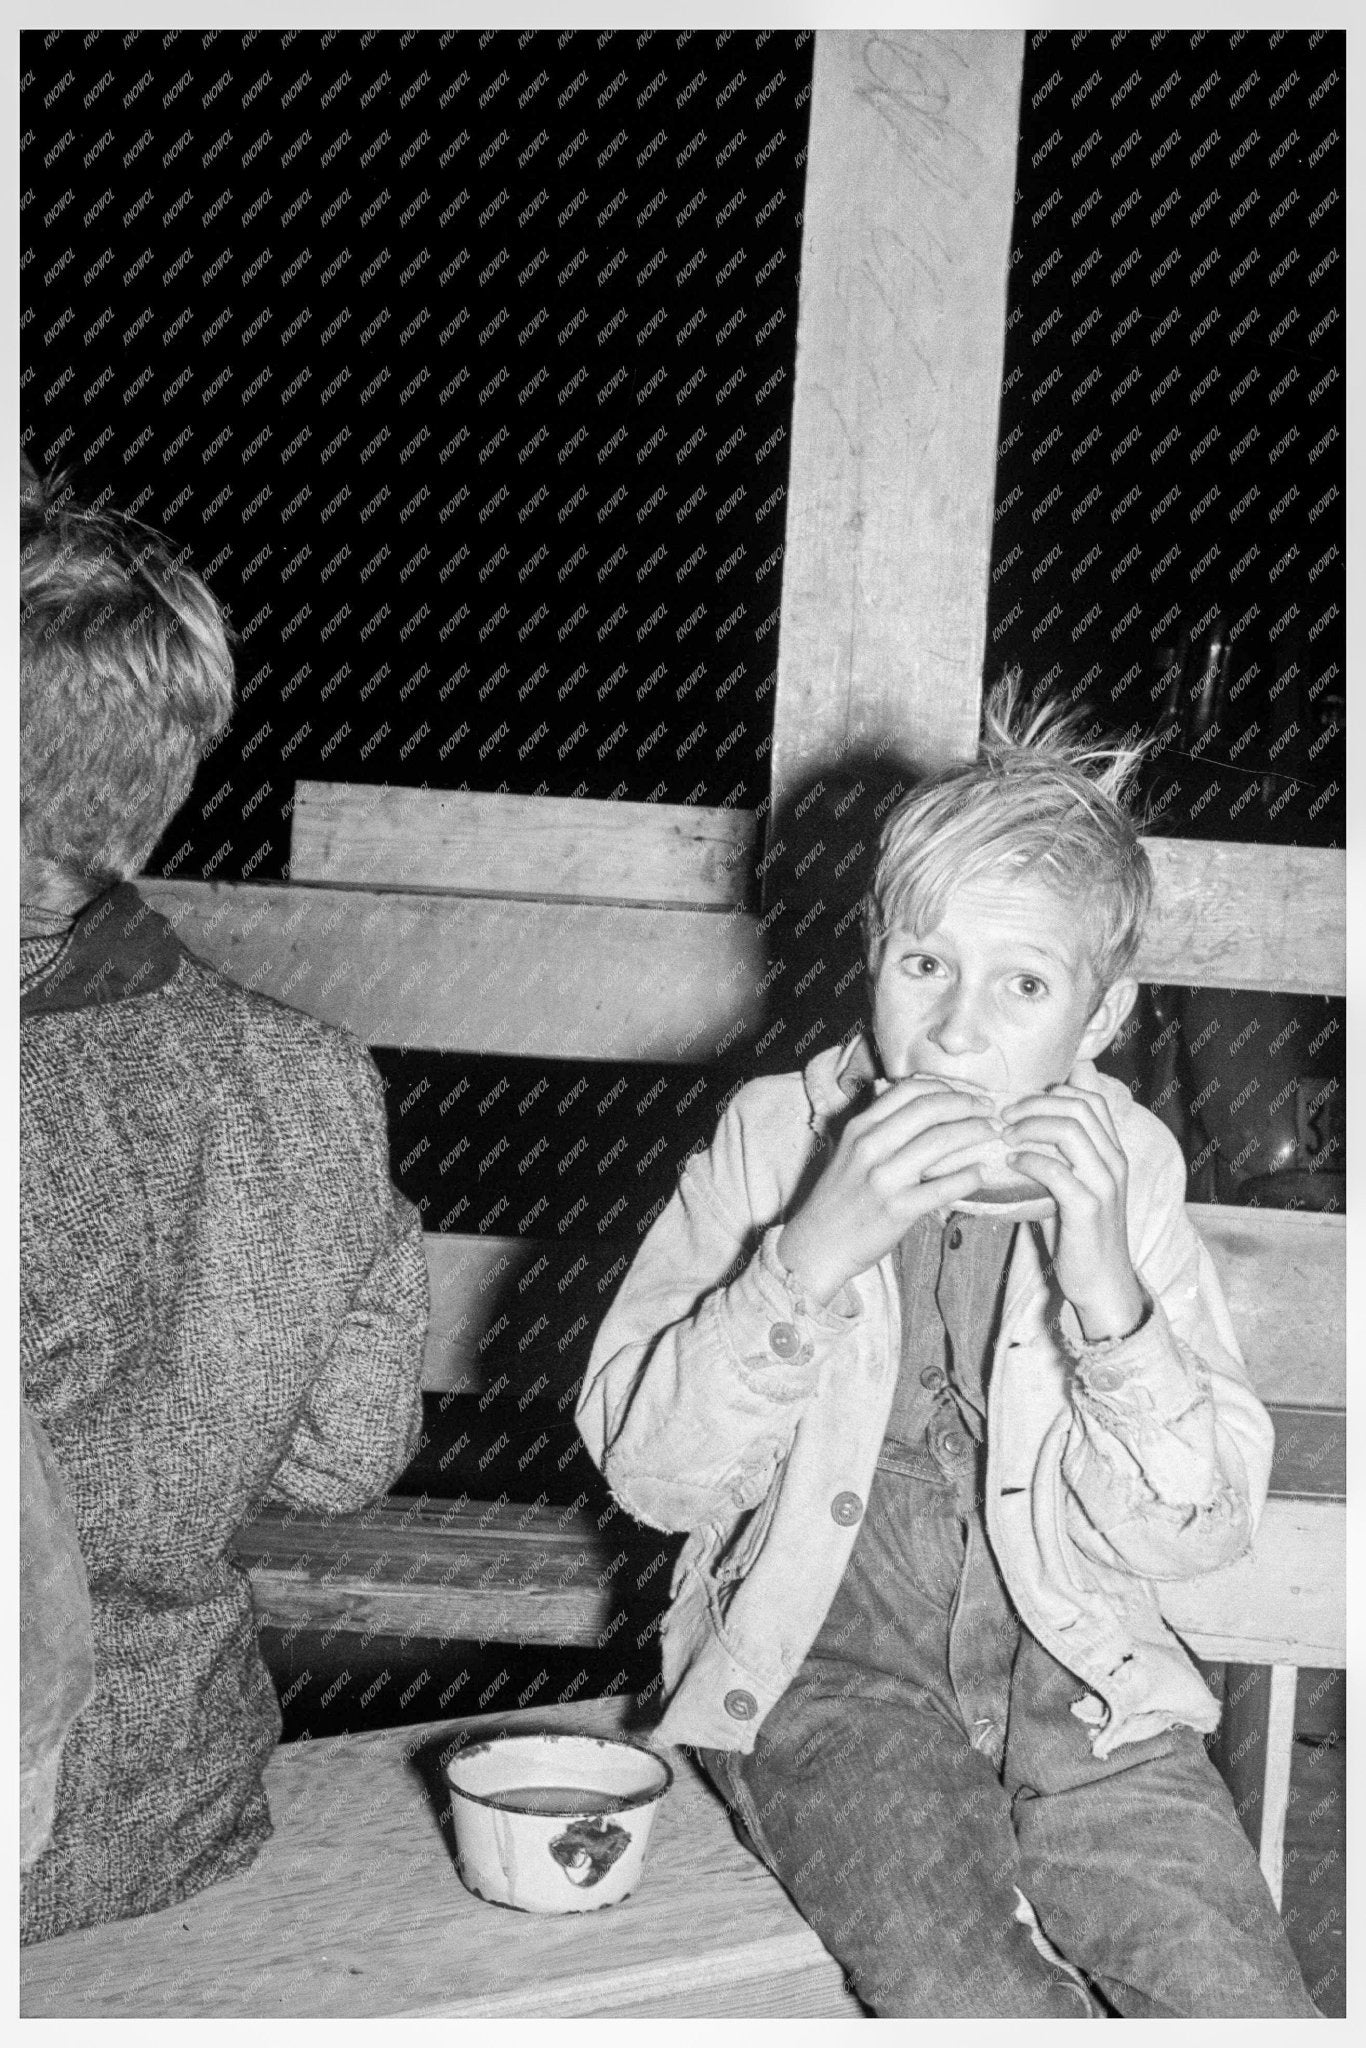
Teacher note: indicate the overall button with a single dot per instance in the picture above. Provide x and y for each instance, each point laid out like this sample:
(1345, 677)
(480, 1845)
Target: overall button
(741, 1705)
(955, 1238)
(934, 1377)
(952, 1443)
(847, 1509)
(783, 1340)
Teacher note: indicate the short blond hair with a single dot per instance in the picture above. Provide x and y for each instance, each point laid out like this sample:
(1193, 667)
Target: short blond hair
(1039, 801)
(125, 676)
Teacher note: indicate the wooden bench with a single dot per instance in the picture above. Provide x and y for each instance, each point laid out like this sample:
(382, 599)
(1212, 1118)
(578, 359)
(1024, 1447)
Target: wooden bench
(616, 932)
(354, 1908)
(529, 1573)
(435, 920)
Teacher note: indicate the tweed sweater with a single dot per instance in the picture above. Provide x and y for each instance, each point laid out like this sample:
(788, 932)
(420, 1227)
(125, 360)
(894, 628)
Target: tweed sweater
(56, 1646)
(222, 1302)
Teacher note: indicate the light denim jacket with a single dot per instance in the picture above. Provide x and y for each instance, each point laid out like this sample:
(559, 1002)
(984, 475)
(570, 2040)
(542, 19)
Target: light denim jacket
(720, 1402)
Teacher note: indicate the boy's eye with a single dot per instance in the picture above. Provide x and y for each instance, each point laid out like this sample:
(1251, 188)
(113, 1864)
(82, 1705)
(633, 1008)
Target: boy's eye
(921, 965)
(1031, 986)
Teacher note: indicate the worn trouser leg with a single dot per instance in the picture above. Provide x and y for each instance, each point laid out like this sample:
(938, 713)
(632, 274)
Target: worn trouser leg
(865, 1792)
(925, 1762)
(893, 1838)
(1138, 1866)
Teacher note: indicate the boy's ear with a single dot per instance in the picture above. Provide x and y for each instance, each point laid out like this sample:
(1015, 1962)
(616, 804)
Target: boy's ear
(1109, 1013)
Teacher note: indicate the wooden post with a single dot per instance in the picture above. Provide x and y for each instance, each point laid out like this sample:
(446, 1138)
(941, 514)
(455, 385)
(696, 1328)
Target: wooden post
(1254, 1750)
(900, 341)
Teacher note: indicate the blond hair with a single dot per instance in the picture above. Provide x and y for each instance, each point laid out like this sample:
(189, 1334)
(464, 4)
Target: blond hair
(1040, 801)
(125, 676)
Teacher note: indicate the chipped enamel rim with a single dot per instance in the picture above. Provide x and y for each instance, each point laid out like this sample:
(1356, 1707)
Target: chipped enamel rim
(503, 1745)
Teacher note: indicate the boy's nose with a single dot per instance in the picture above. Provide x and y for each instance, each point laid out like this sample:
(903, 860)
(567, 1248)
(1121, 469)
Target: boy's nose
(958, 1030)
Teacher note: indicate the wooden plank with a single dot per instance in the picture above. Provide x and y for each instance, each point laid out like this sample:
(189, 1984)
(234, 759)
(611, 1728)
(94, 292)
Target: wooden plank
(1230, 916)
(1225, 915)
(896, 400)
(1280, 1744)
(1283, 1604)
(354, 1908)
(1284, 1272)
(457, 1569)
(1238, 1749)
(1253, 1751)
(471, 1280)
(597, 981)
(506, 1573)
(1310, 1459)
(479, 975)
(568, 849)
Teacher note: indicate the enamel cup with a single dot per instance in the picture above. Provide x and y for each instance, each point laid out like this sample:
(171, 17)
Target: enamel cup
(554, 1823)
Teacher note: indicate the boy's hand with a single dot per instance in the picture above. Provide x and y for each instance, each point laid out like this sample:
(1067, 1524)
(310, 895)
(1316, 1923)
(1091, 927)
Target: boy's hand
(1093, 1265)
(873, 1188)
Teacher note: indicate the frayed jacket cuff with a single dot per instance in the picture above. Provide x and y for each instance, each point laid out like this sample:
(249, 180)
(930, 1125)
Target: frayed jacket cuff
(1148, 1431)
(1144, 1379)
(775, 1333)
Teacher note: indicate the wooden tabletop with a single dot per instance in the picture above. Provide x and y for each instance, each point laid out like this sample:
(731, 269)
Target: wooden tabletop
(354, 1908)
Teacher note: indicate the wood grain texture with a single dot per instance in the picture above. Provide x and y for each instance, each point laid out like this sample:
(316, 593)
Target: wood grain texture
(1238, 1747)
(462, 1570)
(479, 975)
(611, 982)
(1284, 1273)
(900, 343)
(504, 1573)
(471, 1279)
(1230, 916)
(354, 1908)
(1253, 1752)
(1285, 1603)
(1310, 1459)
(570, 849)
(1280, 1741)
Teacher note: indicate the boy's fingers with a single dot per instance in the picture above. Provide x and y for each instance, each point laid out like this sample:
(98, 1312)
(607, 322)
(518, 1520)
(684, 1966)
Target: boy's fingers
(936, 1156)
(1096, 1166)
(952, 1141)
(1054, 1118)
(1097, 1104)
(899, 1118)
(1057, 1178)
(1068, 1101)
(938, 1151)
(947, 1188)
(1057, 1121)
(915, 1087)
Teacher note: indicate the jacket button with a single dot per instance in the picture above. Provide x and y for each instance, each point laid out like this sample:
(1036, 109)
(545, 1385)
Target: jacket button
(741, 1705)
(955, 1238)
(934, 1377)
(1105, 1378)
(847, 1509)
(784, 1341)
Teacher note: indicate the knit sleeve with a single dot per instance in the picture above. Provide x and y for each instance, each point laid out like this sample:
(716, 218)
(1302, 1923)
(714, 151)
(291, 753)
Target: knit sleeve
(362, 1416)
(57, 1660)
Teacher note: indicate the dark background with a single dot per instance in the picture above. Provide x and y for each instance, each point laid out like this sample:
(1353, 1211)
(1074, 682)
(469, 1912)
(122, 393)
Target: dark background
(1172, 466)
(451, 358)
(461, 364)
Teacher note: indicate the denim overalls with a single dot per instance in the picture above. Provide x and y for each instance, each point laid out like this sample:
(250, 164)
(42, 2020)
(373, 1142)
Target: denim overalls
(924, 1768)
